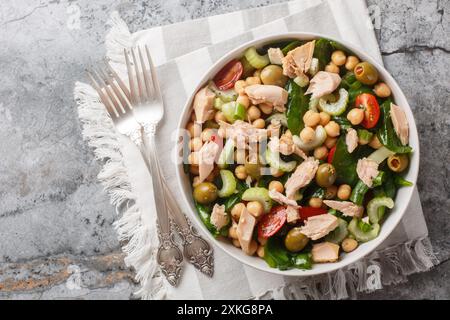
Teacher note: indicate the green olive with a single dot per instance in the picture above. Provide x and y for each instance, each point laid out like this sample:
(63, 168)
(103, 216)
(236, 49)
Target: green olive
(253, 168)
(295, 240)
(325, 175)
(398, 162)
(273, 74)
(205, 192)
(366, 73)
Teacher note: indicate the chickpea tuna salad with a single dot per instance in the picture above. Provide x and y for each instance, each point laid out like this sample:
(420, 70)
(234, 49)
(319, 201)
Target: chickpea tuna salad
(296, 152)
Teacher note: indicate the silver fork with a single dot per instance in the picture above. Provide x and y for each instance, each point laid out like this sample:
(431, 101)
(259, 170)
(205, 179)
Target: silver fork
(144, 84)
(169, 256)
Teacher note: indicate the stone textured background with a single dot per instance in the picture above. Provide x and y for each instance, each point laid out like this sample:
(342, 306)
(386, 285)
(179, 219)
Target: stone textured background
(56, 235)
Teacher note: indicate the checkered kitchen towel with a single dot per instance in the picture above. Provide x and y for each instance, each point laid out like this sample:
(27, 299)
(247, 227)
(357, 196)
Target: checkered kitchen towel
(183, 52)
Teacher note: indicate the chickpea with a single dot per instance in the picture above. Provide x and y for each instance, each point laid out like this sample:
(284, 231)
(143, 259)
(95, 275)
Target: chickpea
(253, 113)
(344, 192)
(382, 90)
(311, 118)
(253, 80)
(320, 152)
(331, 192)
(193, 158)
(236, 243)
(206, 134)
(332, 129)
(196, 181)
(259, 123)
(195, 144)
(255, 208)
(252, 248)
(351, 63)
(355, 116)
(338, 58)
(219, 116)
(315, 202)
(232, 231)
(244, 100)
(239, 156)
(276, 173)
(239, 86)
(194, 169)
(331, 67)
(260, 251)
(240, 172)
(266, 108)
(375, 143)
(324, 118)
(348, 245)
(307, 134)
(330, 142)
(276, 185)
(236, 211)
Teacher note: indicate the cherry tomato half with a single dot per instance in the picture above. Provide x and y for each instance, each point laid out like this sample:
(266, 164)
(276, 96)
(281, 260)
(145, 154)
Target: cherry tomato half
(369, 104)
(331, 154)
(306, 212)
(272, 222)
(227, 77)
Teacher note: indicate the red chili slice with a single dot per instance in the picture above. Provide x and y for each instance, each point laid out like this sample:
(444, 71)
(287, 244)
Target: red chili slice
(371, 109)
(227, 77)
(306, 212)
(331, 154)
(272, 222)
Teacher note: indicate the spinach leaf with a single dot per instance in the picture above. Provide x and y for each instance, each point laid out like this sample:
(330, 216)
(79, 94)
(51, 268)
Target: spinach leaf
(401, 182)
(344, 163)
(291, 46)
(322, 51)
(386, 133)
(205, 215)
(297, 106)
(355, 89)
(277, 256)
(234, 199)
(342, 122)
(347, 80)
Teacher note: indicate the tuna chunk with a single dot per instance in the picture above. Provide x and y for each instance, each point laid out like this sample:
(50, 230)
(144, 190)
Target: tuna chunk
(323, 83)
(319, 226)
(207, 156)
(400, 123)
(273, 95)
(203, 105)
(219, 217)
(275, 55)
(292, 214)
(280, 198)
(347, 208)
(367, 170)
(301, 177)
(351, 140)
(244, 230)
(286, 146)
(325, 252)
(298, 61)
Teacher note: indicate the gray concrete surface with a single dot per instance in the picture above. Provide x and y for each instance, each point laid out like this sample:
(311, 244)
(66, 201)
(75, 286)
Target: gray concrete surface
(56, 238)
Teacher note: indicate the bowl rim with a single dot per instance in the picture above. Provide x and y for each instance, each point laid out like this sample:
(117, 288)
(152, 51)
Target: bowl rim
(412, 171)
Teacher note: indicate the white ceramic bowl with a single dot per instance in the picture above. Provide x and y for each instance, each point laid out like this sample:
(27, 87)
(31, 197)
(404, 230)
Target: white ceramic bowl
(403, 195)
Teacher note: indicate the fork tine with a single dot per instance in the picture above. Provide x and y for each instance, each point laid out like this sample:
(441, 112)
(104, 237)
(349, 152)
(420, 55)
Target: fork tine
(133, 91)
(109, 108)
(108, 90)
(147, 79)
(118, 79)
(155, 83)
(118, 91)
(140, 82)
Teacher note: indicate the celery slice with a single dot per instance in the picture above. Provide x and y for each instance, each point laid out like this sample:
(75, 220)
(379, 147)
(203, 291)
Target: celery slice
(273, 159)
(228, 184)
(337, 108)
(226, 156)
(374, 204)
(338, 234)
(360, 235)
(256, 60)
(319, 138)
(258, 194)
(380, 154)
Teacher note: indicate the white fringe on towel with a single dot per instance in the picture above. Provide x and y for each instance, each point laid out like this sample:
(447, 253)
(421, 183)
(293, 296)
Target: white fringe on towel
(393, 263)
